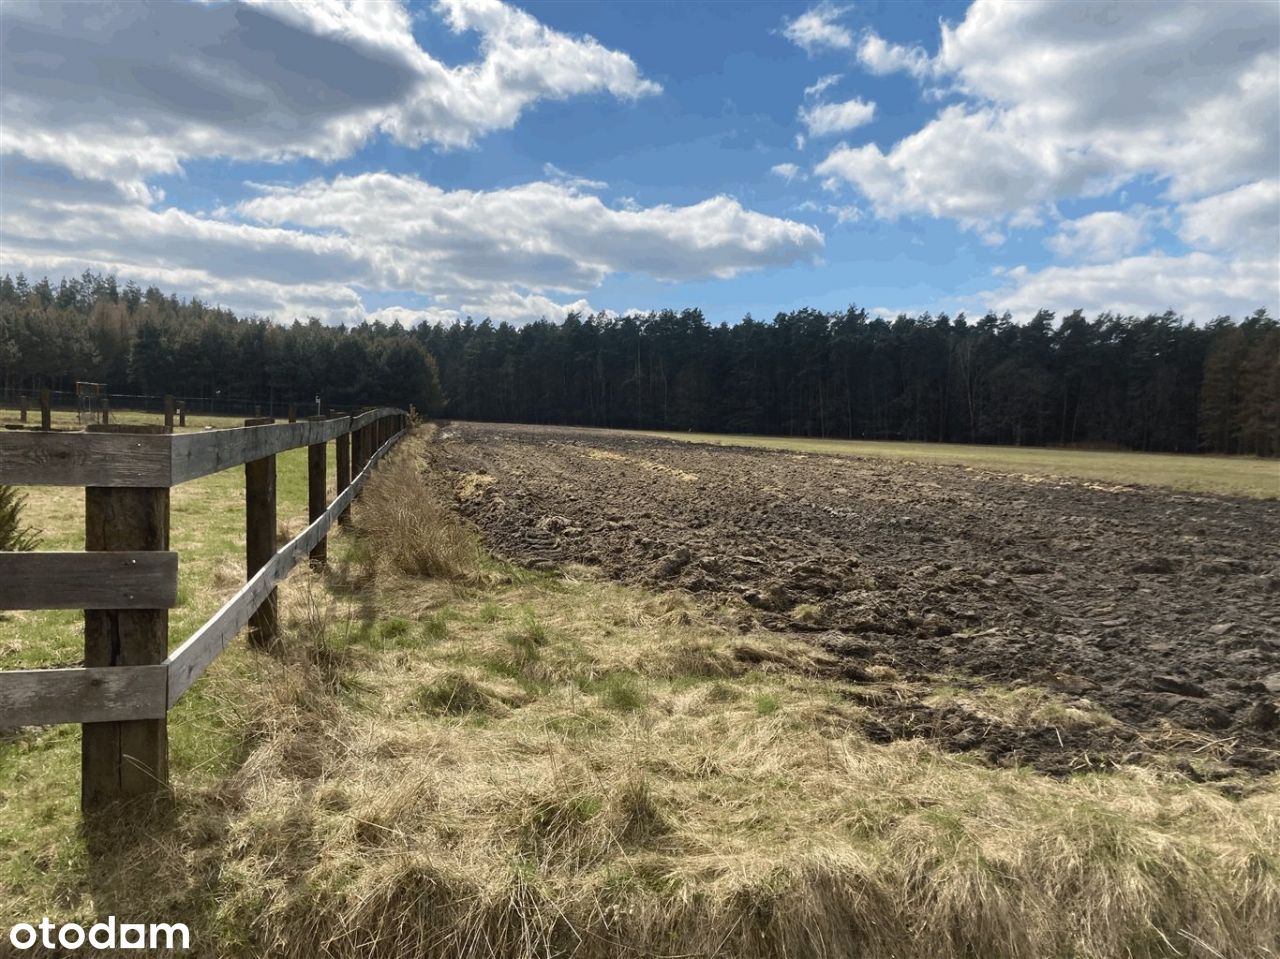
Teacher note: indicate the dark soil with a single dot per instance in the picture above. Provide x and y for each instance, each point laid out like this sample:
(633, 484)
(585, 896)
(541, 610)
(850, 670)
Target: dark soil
(1160, 607)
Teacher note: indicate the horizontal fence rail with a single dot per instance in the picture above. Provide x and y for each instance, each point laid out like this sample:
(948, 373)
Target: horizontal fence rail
(160, 460)
(129, 681)
(136, 579)
(192, 658)
(82, 694)
(85, 459)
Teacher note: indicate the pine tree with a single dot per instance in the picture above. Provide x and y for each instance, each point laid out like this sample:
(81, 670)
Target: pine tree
(13, 535)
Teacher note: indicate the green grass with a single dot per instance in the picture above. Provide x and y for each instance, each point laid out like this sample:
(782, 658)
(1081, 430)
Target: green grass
(207, 531)
(1194, 473)
(69, 419)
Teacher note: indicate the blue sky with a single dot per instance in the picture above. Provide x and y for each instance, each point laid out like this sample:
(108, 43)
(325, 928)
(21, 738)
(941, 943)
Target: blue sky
(425, 161)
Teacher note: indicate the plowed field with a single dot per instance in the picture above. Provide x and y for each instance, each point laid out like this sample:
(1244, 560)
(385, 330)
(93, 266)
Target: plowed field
(1159, 609)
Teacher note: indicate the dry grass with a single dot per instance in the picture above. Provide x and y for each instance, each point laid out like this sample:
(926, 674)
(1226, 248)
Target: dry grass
(511, 764)
(457, 800)
(409, 527)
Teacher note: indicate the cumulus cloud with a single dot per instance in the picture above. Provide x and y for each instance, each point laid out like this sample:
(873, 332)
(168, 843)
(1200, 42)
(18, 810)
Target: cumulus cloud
(787, 171)
(124, 91)
(824, 119)
(306, 249)
(539, 235)
(1071, 99)
(98, 98)
(1103, 236)
(819, 28)
(881, 57)
(1076, 100)
(1198, 285)
(1246, 218)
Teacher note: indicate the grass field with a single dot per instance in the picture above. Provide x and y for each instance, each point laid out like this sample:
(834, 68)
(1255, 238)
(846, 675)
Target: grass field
(1226, 475)
(485, 761)
(68, 419)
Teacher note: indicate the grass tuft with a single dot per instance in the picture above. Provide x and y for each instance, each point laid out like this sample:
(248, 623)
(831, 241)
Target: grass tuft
(453, 694)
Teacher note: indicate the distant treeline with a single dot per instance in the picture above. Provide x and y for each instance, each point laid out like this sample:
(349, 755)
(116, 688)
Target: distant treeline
(1150, 383)
(143, 342)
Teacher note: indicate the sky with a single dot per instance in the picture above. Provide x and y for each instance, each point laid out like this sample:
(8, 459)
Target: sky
(423, 162)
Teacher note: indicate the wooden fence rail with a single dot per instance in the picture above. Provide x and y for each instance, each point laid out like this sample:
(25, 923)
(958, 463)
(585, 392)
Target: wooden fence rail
(127, 581)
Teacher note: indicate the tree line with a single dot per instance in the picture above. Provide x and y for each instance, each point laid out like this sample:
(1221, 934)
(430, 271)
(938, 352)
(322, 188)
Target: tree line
(137, 341)
(1154, 382)
(1147, 383)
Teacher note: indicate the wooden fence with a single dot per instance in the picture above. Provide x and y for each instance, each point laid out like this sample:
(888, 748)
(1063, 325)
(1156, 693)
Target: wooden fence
(127, 579)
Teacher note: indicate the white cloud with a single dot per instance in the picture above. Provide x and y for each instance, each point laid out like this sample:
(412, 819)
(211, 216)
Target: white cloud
(271, 81)
(974, 167)
(523, 62)
(822, 84)
(1196, 285)
(306, 249)
(824, 119)
(1244, 219)
(842, 214)
(819, 28)
(1075, 99)
(1104, 236)
(800, 141)
(788, 171)
(845, 214)
(881, 57)
(540, 235)
(563, 177)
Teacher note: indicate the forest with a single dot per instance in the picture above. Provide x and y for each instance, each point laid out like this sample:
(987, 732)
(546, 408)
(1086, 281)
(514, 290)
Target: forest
(1155, 382)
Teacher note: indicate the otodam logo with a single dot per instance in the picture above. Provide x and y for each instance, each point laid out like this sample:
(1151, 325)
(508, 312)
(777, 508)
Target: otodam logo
(108, 933)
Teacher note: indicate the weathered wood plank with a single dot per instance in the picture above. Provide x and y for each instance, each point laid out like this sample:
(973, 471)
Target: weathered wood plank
(189, 661)
(43, 697)
(124, 758)
(317, 493)
(260, 540)
(84, 459)
(371, 416)
(115, 580)
(343, 456)
(199, 454)
(29, 458)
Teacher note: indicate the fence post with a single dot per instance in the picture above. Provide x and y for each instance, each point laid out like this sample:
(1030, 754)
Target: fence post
(360, 451)
(182, 415)
(260, 536)
(106, 412)
(46, 411)
(293, 412)
(344, 470)
(168, 412)
(22, 407)
(129, 758)
(317, 497)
